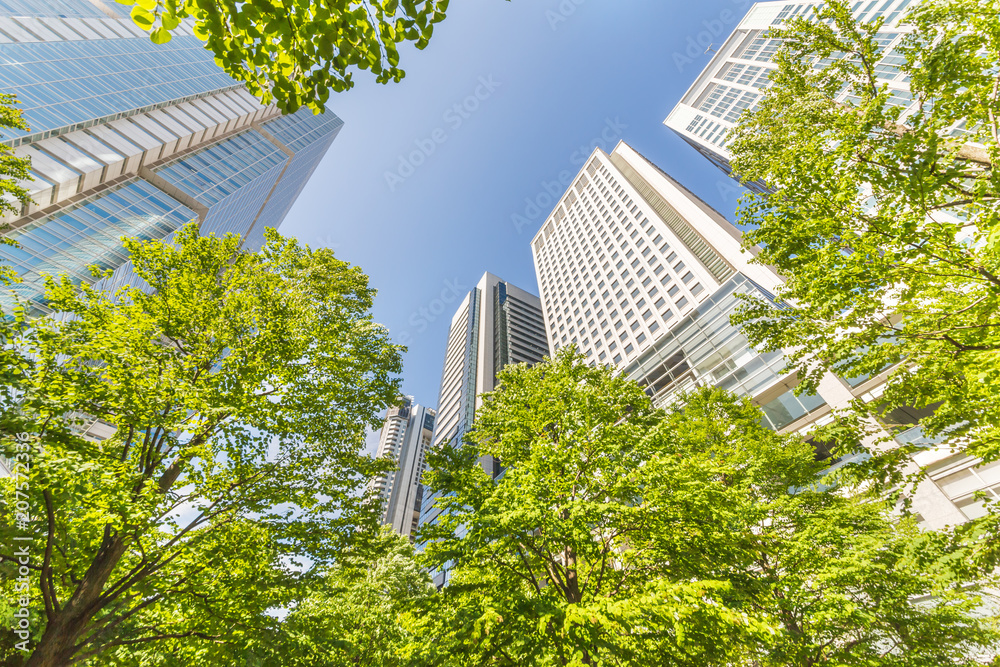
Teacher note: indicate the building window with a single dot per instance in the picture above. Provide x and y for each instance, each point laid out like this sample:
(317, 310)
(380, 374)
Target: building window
(961, 485)
(682, 302)
(629, 348)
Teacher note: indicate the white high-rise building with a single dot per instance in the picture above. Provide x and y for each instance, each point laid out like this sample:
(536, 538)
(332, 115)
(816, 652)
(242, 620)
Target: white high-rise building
(640, 274)
(734, 79)
(405, 436)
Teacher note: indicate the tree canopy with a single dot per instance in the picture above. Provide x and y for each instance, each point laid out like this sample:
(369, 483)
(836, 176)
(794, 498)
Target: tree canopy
(14, 170)
(884, 215)
(234, 395)
(295, 52)
(624, 535)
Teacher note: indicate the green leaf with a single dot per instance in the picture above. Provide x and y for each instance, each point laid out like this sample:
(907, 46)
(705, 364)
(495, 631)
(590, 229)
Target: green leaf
(142, 17)
(169, 21)
(160, 36)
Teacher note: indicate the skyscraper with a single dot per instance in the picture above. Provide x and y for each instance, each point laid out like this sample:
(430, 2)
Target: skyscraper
(641, 275)
(130, 138)
(496, 324)
(738, 72)
(405, 437)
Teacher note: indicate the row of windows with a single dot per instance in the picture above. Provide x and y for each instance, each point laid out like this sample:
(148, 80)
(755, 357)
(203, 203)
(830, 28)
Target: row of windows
(789, 12)
(620, 318)
(751, 76)
(213, 173)
(727, 102)
(50, 8)
(62, 83)
(709, 130)
(294, 178)
(89, 233)
(759, 48)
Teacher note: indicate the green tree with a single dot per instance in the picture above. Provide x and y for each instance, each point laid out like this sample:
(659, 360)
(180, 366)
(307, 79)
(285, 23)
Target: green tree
(13, 169)
(238, 392)
(354, 614)
(624, 535)
(294, 53)
(885, 222)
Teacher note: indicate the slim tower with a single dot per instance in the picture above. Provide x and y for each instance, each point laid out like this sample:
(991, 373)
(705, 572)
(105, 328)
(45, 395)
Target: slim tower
(405, 437)
(496, 324)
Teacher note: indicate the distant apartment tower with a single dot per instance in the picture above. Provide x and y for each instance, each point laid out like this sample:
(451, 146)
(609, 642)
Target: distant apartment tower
(405, 437)
(736, 76)
(130, 138)
(641, 275)
(496, 324)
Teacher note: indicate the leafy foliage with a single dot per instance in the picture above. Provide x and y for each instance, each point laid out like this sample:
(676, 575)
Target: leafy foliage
(885, 222)
(238, 393)
(13, 170)
(296, 52)
(356, 614)
(623, 535)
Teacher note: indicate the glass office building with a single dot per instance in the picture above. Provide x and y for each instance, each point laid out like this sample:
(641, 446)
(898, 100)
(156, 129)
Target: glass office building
(130, 138)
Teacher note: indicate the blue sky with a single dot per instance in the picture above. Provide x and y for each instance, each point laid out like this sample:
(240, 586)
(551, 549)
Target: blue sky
(422, 186)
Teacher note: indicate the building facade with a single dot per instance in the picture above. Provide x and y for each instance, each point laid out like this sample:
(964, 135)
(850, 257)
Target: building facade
(130, 138)
(404, 439)
(733, 81)
(735, 78)
(641, 275)
(496, 324)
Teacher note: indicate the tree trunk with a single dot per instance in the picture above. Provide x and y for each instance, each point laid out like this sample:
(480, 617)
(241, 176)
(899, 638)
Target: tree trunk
(67, 626)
